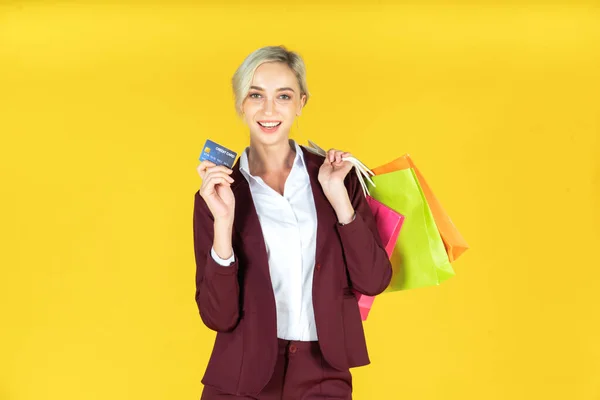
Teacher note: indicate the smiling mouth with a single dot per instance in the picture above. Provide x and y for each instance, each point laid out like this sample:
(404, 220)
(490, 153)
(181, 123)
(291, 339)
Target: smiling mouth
(269, 124)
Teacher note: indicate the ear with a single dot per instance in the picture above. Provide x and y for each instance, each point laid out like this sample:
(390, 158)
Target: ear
(302, 102)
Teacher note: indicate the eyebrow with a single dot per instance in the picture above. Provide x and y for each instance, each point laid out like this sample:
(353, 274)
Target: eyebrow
(279, 90)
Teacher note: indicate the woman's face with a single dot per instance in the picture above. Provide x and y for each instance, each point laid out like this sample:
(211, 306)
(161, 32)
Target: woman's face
(272, 104)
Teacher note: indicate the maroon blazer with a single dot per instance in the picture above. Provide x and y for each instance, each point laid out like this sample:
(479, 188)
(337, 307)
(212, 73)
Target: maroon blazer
(238, 301)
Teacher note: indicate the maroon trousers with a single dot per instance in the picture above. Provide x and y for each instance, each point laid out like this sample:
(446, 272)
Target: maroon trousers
(301, 373)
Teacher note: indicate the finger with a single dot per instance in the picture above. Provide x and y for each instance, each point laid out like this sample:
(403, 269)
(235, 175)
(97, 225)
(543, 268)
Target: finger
(206, 164)
(336, 160)
(206, 191)
(217, 181)
(331, 155)
(220, 168)
(217, 170)
(201, 170)
(209, 166)
(219, 174)
(214, 181)
(203, 166)
(338, 157)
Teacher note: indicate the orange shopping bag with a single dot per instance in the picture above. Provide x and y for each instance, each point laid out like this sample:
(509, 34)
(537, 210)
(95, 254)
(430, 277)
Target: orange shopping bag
(454, 243)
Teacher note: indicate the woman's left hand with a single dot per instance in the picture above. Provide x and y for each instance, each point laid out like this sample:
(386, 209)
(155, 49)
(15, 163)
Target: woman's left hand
(331, 177)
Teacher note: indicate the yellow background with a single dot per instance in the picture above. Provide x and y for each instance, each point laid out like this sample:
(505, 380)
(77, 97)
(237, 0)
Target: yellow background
(104, 109)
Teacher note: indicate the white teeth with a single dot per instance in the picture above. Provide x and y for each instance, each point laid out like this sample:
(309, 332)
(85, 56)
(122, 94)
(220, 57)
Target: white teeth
(269, 124)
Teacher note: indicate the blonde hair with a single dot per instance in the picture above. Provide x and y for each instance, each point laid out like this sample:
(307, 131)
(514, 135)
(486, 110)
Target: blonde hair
(242, 78)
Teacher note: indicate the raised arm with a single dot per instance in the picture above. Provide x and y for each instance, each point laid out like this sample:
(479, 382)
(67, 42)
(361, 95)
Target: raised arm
(217, 286)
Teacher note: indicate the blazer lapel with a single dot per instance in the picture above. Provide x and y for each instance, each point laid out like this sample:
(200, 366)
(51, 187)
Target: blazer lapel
(246, 223)
(326, 218)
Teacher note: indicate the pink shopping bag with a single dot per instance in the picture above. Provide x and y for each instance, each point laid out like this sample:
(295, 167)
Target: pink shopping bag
(389, 223)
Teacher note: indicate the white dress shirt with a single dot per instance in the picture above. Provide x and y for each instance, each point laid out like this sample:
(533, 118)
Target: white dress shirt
(289, 226)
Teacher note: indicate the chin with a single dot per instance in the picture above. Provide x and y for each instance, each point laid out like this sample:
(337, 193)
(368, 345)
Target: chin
(270, 138)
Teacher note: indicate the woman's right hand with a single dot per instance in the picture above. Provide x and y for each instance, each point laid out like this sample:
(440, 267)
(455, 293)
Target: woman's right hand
(216, 190)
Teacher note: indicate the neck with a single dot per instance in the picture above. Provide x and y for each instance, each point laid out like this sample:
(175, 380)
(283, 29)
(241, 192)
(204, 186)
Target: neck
(267, 159)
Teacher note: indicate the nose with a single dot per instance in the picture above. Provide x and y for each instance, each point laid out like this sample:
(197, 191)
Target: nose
(269, 104)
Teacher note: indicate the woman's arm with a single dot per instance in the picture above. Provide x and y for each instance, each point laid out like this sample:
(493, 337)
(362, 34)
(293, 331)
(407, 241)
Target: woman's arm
(368, 264)
(217, 286)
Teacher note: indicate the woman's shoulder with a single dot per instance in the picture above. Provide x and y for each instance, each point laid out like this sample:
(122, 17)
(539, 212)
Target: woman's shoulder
(310, 156)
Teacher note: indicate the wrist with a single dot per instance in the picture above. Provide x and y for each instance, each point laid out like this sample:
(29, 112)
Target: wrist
(339, 199)
(344, 211)
(223, 223)
(344, 222)
(224, 252)
(222, 242)
(346, 216)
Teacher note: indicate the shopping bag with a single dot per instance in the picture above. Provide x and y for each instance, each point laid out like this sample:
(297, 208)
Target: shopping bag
(389, 223)
(419, 258)
(454, 243)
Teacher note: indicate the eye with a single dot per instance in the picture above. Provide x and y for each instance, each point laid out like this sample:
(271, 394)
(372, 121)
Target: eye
(254, 95)
(285, 97)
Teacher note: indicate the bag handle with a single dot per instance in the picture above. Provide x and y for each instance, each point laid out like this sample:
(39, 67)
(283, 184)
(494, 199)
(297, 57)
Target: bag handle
(362, 171)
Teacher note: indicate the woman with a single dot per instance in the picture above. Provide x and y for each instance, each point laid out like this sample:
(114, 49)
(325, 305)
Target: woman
(280, 242)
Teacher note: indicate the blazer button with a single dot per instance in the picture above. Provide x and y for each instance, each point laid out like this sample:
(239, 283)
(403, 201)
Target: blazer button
(293, 348)
(318, 266)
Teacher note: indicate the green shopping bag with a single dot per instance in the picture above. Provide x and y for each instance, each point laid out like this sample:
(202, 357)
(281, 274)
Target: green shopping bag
(419, 258)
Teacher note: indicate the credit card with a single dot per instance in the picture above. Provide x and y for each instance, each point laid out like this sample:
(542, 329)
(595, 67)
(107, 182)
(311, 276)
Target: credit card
(218, 154)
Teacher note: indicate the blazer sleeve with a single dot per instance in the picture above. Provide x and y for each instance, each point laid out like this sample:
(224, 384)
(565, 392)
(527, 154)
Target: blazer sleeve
(369, 267)
(217, 287)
